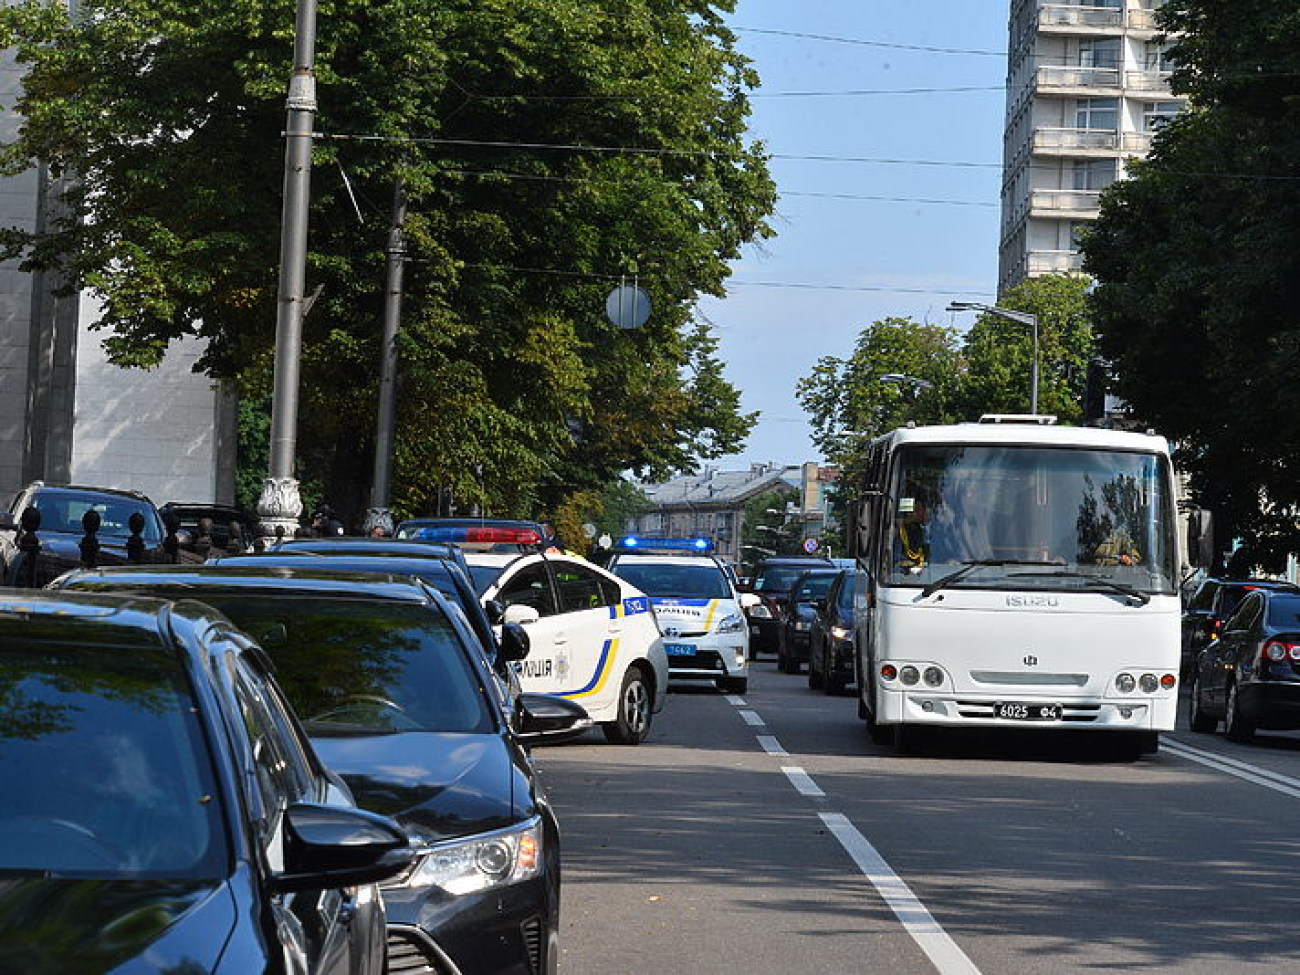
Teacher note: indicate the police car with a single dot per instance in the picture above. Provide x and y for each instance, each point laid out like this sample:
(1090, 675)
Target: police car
(592, 636)
(695, 601)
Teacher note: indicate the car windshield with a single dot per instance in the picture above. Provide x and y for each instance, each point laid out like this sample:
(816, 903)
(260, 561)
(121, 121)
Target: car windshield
(813, 586)
(1029, 517)
(62, 511)
(703, 581)
(778, 578)
(484, 576)
(105, 766)
(357, 666)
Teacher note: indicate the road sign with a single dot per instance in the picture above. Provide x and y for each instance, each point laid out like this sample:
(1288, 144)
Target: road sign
(810, 545)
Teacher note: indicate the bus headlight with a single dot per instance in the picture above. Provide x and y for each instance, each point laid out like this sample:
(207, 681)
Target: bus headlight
(1149, 683)
(909, 675)
(933, 676)
(1125, 683)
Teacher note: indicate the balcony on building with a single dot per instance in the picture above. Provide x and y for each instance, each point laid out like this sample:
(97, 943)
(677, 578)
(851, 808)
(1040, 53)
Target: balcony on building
(1057, 79)
(1065, 204)
(1077, 18)
(1053, 262)
(1076, 142)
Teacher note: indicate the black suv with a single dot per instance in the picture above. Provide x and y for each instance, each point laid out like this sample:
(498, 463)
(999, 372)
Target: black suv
(1210, 606)
(771, 584)
(59, 519)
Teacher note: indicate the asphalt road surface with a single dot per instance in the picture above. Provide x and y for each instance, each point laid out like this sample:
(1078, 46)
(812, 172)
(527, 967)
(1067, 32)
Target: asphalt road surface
(766, 834)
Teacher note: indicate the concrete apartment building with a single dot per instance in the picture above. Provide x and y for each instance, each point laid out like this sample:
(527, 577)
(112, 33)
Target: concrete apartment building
(66, 413)
(1087, 87)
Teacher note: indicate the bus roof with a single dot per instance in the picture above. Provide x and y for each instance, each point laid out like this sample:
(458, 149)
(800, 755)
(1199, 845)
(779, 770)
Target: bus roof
(1029, 434)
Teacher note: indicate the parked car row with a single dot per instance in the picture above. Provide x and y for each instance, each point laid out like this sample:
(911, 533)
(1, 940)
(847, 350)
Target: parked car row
(358, 711)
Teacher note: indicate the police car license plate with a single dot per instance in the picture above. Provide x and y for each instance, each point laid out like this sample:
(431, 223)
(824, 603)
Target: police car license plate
(1027, 712)
(679, 649)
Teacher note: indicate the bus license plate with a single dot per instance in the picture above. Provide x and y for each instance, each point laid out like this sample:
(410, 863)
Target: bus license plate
(679, 649)
(1027, 712)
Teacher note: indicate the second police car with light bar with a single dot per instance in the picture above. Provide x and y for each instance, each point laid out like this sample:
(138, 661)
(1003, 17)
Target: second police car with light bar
(696, 604)
(592, 637)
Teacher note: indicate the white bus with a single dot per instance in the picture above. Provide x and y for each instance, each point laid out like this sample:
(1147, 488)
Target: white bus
(1018, 574)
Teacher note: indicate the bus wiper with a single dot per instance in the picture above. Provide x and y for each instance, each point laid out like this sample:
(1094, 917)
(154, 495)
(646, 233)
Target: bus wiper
(1119, 587)
(968, 567)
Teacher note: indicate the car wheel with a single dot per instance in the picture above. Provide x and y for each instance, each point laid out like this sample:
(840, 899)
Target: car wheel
(1235, 726)
(733, 685)
(1200, 721)
(815, 679)
(832, 685)
(633, 721)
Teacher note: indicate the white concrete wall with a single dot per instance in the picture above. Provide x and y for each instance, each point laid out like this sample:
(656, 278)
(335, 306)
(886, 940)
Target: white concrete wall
(149, 430)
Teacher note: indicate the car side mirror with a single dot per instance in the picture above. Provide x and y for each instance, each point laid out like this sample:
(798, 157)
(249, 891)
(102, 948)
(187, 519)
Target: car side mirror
(337, 846)
(545, 717)
(494, 610)
(520, 613)
(514, 643)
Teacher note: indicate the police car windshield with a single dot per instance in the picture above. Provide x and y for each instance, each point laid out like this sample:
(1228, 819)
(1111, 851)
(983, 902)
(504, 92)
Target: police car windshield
(703, 581)
(483, 576)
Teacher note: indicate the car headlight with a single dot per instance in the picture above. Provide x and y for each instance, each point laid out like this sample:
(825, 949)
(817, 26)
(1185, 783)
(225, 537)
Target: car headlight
(760, 612)
(731, 623)
(841, 632)
(481, 862)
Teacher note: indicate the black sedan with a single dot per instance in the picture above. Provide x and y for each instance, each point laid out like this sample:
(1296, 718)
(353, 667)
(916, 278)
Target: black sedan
(394, 692)
(161, 809)
(1250, 676)
(830, 642)
(796, 620)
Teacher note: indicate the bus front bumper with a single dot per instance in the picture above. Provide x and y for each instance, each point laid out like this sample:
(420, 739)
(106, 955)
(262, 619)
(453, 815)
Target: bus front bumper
(1153, 713)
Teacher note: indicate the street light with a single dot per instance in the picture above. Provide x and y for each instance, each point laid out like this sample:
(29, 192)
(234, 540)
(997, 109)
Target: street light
(1025, 318)
(898, 379)
(280, 505)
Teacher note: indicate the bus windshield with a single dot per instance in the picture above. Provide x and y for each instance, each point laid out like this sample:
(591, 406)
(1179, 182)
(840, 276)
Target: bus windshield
(1032, 517)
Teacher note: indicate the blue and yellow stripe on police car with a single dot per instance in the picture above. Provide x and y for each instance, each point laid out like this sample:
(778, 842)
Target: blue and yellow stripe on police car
(601, 676)
(709, 605)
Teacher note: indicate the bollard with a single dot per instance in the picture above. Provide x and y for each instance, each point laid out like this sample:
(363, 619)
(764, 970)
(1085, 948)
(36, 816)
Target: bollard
(89, 545)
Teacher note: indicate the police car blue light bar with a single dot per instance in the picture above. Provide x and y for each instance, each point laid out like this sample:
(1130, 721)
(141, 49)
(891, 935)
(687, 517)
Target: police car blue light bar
(638, 543)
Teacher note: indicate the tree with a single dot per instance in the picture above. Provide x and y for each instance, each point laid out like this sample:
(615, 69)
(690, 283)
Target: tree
(849, 403)
(515, 391)
(999, 352)
(1198, 261)
(764, 533)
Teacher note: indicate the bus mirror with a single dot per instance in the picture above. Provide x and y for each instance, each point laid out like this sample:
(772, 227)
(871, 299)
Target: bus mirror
(1200, 538)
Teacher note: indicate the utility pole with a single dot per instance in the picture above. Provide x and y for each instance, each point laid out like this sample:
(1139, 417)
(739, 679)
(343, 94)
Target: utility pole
(280, 504)
(380, 489)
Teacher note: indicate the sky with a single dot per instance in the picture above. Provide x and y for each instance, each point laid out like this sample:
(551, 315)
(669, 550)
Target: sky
(868, 248)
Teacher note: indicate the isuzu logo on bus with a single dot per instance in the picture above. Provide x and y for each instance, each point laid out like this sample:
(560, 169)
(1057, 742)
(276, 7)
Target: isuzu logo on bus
(1033, 602)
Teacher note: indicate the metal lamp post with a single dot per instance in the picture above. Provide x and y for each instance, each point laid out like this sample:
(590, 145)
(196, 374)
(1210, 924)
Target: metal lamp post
(280, 505)
(1025, 318)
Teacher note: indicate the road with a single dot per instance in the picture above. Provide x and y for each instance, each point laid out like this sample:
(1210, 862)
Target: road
(767, 834)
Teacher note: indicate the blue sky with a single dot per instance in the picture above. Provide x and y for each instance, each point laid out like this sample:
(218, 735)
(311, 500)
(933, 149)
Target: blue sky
(811, 290)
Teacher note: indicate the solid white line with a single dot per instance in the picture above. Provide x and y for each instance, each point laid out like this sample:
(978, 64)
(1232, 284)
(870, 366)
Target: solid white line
(920, 924)
(802, 781)
(771, 745)
(752, 718)
(734, 700)
(1230, 766)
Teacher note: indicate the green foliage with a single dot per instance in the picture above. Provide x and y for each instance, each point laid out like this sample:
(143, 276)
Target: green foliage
(515, 390)
(1198, 259)
(765, 532)
(849, 404)
(999, 352)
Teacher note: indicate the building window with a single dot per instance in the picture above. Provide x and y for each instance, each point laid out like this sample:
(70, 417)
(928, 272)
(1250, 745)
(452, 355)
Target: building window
(1155, 115)
(1101, 114)
(1102, 53)
(1093, 174)
(1159, 57)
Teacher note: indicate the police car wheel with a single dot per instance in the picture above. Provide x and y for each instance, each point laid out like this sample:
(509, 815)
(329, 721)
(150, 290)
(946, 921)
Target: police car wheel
(632, 724)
